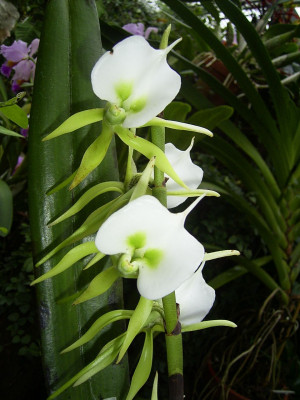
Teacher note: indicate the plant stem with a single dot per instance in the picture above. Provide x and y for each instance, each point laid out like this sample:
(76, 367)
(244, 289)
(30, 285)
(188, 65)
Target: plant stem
(172, 326)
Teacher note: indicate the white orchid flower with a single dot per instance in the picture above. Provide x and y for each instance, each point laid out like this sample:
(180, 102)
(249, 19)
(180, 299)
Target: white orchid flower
(195, 298)
(152, 244)
(190, 173)
(136, 78)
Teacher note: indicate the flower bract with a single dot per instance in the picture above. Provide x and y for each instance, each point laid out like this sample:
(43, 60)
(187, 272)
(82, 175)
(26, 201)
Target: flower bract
(153, 242)
(190, 173)
(136, 78)
(195, 298)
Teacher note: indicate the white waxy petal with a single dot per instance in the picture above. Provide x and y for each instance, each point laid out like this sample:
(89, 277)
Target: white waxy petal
(144, 216)
(190, 173)
(136, 77)
(181, 258)
(195, 298)
(169, 254)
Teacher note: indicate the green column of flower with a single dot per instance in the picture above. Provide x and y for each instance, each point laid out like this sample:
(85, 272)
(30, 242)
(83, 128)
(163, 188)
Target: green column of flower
(70, 45)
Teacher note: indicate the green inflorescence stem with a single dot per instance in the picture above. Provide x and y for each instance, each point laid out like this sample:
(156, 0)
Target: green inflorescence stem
(173, 335)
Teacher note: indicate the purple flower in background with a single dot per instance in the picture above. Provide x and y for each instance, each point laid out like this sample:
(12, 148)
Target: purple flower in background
(139, 29)
(19, 58)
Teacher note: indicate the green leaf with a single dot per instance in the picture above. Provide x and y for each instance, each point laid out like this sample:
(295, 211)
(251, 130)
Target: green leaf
(107, 354)
(8, 132)
(136, 323)
(98, 325)
(74, 255)
(143, 369)
(105, 358)
(154, 395)
(15, 114)
(94, 155)
(77, 121)
(12, 101)
(69, 48)
(99, 285)
(6, 208)
(149, 150)
(208, 324)
(88, 196)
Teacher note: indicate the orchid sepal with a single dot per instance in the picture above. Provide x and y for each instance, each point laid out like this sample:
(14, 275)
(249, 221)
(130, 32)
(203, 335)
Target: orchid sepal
(74, 255)
(98, 325)
(220, 254)
(136, 323)
(142, 186)
(99, 256)
(192, 193)
(76, 121)
(208, 324)
(88, 196)
(99, 285)
(143, 369)
(149, 150)
(94, 155)
(178, 125)
(106, 356)
(89, 226)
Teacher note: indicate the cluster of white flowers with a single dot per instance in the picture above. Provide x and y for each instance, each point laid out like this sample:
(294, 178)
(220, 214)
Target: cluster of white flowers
(150, 241)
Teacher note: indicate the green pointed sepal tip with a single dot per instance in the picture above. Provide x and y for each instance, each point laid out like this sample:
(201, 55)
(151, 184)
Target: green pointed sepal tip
(154, 395)
(99, 256)
(94, 155)
(165, 37)
(143, 369)
(220, 254)
(142, 186)
(87, 197)
(98, 325)
(136, 323)
(193, 193)
(77, 121)
(106, 357)
(149, 150)
(99, 285)
(208, 324)
(178, 125)
(74, 255)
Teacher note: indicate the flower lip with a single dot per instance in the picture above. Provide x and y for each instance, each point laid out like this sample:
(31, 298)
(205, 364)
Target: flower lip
(147, 82)
(189, 172)
(169, 254)
(195, 298)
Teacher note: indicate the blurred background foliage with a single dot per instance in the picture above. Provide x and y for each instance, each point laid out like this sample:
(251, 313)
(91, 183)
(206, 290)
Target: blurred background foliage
(239, 61)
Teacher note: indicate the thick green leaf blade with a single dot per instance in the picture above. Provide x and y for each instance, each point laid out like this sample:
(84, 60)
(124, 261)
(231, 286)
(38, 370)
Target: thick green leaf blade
(99, 324)
(74, 255)
(70, 46)
(9, 132)
(6, 208)
(77, 121)
(136, 323)
(143, 369)
(99, 285)
(15, 114)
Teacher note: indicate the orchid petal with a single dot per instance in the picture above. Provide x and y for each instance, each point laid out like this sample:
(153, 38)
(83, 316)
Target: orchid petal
(170, 254)
(190, 173)
(149, 30)
(136, 77)
(23, 70)
(195, 298)
(16, 52)
(33, 47)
